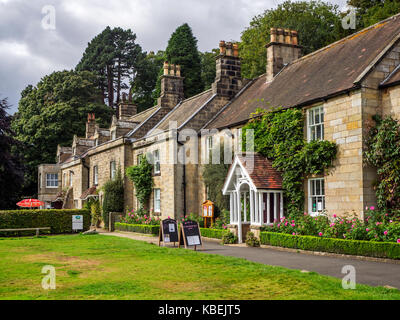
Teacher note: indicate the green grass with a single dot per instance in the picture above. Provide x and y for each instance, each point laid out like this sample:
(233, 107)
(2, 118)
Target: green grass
(101, 267)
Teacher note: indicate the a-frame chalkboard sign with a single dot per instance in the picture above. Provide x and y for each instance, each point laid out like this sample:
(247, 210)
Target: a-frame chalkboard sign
(189, 234)
(168, 232)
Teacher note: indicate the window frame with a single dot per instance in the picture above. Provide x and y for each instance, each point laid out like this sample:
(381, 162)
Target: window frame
(157, 162)
(71, 178)
(312, 195)
(113, 171)
(157, 200)
(209, 148)
(96, 175)
(314, 125)
(53, 180)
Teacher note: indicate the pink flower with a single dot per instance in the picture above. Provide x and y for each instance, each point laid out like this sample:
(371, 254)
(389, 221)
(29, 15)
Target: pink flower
(372, 208)
(293, 225)
(305, 213)
(293, 234)
(334, 215)
(344, 236)
(367, 230)
(332, 225)
(279, 225)
(286, 224)
(398, 240)
(292, 221)
(321, 234)
(386, 233)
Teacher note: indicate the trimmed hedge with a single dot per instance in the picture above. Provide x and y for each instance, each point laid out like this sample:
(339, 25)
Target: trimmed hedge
(139, 228)
(388, 250)
(60, 221)
(212, 233)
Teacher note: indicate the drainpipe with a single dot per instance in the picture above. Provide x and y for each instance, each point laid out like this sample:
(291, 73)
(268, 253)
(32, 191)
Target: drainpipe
(183, 182)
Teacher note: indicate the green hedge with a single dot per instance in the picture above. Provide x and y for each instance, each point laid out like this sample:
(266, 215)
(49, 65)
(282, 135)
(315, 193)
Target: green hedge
(212, 233)
(388, 250)
(139, 228)
(60, 221)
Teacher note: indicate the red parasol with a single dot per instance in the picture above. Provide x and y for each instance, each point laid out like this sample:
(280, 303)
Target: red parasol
(30, 203)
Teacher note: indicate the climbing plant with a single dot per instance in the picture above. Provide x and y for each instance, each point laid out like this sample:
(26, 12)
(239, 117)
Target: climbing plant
(279, 136)
(383, 153)
(141, 176)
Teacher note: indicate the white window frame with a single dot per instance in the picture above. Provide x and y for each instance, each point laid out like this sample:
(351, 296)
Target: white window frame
(318, 197)
(209, 145)
(65, 179)
(313, 123)
(71, 178)
(113, 170)
(51, 180)
(157, 162)
(157, 200)
(96, 175)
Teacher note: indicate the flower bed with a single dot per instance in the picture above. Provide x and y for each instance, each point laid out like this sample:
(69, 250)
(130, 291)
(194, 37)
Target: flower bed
(378, 226)
(388, 250)
(139, 228)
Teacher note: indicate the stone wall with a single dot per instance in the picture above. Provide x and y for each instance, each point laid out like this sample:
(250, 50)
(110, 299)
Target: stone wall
(46, 194)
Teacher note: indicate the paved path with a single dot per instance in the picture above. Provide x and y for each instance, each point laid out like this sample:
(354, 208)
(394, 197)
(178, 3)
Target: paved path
(367, 272)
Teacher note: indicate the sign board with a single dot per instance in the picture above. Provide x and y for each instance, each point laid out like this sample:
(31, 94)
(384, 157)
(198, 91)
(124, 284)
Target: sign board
(168, 231)
(208, 209)
(77, 223)
(189, 234)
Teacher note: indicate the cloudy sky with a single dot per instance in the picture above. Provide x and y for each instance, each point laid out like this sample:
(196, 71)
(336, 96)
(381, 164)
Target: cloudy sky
(30, 48)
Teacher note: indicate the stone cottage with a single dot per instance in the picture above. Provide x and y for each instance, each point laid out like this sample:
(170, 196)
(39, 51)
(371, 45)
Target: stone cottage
(339, 87)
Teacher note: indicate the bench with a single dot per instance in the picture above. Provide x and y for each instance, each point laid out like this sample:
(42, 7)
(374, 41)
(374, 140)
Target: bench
(25, 229)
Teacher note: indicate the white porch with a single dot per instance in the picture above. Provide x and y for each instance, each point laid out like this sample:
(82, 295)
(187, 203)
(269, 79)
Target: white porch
(250, 201)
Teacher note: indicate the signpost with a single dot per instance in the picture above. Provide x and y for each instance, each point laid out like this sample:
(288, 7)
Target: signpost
(189, 234)
(208, 212)
(77, 223)
(168, 232)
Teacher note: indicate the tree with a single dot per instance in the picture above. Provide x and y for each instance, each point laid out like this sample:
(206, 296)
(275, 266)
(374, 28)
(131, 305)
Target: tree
(182, 50)
(113, 196)
(318, 24)
(114, 56)
(370, 12)
(51, 113)
(145, 82)
(11, 168)
(208, 67)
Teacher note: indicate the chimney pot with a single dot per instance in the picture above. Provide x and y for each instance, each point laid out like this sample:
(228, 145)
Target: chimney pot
(294, 35)
(280, 34)
(222, 47)
(288, 37)
(236, 50)
(229, 51)
(178, 70)
(166, 68)
(273, 35)
(172, 70)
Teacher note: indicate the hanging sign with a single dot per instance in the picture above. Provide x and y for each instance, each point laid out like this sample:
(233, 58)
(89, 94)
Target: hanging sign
(189, 234)
(168, 231)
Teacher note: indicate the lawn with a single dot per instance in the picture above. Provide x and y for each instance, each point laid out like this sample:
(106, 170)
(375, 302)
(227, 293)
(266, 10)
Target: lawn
(101, 267)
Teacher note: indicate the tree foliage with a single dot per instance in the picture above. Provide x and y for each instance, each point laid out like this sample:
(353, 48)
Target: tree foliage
(318, 24)
(214, 177)
(279, 136)
(52, 113)
(182, 50)
(114, 57)
(113, 200)
(11, 167)
(141, 176)
(208, 67)
(383, 153)
(369, 12)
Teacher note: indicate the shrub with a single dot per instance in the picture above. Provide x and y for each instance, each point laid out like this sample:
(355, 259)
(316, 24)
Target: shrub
(141, 176)
(251, 240)
(229, 238)
(113, 197)
(351, 247)
(213, 233)
(60, 221)
(95, 212)
(145, 219)
(139, 228)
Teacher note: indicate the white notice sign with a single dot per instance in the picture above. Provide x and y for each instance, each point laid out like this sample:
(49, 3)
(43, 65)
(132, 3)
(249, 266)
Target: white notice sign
(171, 228)
(193, 241)
(77, 223)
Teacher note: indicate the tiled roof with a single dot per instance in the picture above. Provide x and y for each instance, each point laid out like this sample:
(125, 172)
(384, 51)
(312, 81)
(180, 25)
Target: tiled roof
(326, 72)
(261, 172)
(185, 110)
(140, 117)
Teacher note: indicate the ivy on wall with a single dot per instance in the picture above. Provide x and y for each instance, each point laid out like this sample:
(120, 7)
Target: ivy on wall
(279, 136)
(383, 153)
(141, 176)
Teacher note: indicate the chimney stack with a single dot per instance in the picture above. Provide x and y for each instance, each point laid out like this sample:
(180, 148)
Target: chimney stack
(126, 108)
(282, 49)
(90, 125)
(171, 86)
(228, 81)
